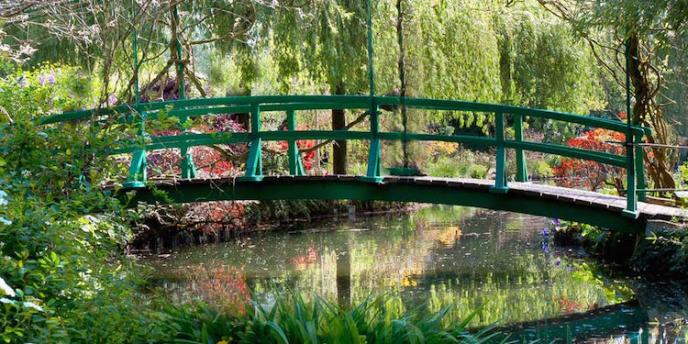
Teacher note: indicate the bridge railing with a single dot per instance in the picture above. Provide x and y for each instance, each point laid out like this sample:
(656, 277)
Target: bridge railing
(631, 160)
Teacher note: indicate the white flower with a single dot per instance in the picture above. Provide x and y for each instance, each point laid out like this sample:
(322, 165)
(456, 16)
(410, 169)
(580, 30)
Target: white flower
(6, 300)
(26, 49)
(33, 305)
(5, 221)
(6, 289)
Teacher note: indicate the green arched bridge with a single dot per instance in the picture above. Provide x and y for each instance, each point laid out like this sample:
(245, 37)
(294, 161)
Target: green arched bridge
(627, 213)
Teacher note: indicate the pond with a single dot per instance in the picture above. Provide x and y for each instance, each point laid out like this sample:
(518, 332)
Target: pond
(501, 265)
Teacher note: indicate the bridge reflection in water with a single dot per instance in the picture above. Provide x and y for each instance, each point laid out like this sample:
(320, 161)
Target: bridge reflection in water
(471, 259)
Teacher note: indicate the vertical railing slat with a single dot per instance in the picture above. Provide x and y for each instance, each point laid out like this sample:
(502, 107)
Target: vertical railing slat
(137, 168)
(188, 167)
(640, 166)
(631, 182)
(254, 164)
(295, 165)
(521, 165)
(374, 164)
(500, 185)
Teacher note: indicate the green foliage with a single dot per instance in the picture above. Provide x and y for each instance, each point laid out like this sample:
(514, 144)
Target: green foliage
(64, 274)
(662, 252)
(291, 319)
(548, 66)
(539, 168)
(463, 163)
(45, 89)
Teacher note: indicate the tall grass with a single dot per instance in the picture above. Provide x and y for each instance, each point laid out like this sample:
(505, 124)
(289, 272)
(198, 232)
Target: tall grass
(291, 319)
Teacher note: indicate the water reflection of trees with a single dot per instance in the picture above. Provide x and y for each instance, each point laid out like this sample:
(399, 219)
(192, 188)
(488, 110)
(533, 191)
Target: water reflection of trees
(472, 260)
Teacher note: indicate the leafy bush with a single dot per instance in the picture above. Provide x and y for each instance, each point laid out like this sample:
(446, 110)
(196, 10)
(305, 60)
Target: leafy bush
(64, 276)
(293, 320)
(540, 169)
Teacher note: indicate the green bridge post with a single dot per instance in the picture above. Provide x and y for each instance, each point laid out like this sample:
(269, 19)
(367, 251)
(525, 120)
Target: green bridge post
(254, 163)
(640, 166)
(188, 166)
(500, 175)
(521, 165)
(631, 193)
(631, 162)
(137, 167)
(374, 165)
(295, 164)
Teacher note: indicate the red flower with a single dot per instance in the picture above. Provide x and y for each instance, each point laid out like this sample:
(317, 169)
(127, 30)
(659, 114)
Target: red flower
(592, 174)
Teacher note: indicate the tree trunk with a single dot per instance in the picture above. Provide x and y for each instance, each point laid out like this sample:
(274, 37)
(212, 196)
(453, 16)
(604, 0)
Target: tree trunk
(339, 149)
(647, 112)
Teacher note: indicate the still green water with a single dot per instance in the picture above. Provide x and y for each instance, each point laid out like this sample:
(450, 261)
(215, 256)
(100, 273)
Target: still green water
(502, 265)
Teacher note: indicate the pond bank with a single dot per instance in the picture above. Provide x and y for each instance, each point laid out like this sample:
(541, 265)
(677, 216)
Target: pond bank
(661, 252)
(165, 228)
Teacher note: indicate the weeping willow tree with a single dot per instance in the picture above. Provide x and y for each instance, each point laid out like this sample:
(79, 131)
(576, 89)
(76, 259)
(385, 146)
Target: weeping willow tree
(650, 33)
(327, 39)
(515, 53)
(543, 64)
(473, 50)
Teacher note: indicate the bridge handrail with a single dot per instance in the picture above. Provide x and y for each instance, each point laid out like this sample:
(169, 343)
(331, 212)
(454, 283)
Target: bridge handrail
(632, 161)
(319, 102)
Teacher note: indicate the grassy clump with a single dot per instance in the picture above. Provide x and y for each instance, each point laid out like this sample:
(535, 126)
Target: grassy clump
(291, 319)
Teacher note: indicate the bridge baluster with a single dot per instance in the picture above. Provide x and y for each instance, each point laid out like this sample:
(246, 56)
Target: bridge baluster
(631, 188)
(254, 164)
(295, 163)
(188, 166)
(521, 166)
(640, 166)
(137, 168)
(500, 175)
(374, 164)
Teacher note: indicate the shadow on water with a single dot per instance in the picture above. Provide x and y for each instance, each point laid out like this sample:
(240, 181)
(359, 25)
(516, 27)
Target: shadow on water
(499, 264)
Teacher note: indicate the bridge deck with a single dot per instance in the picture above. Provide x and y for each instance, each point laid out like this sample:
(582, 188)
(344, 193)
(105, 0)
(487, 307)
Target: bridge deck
(558, 195)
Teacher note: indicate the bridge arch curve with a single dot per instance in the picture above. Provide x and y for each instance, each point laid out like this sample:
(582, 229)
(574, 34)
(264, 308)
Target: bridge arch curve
(554, 202)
